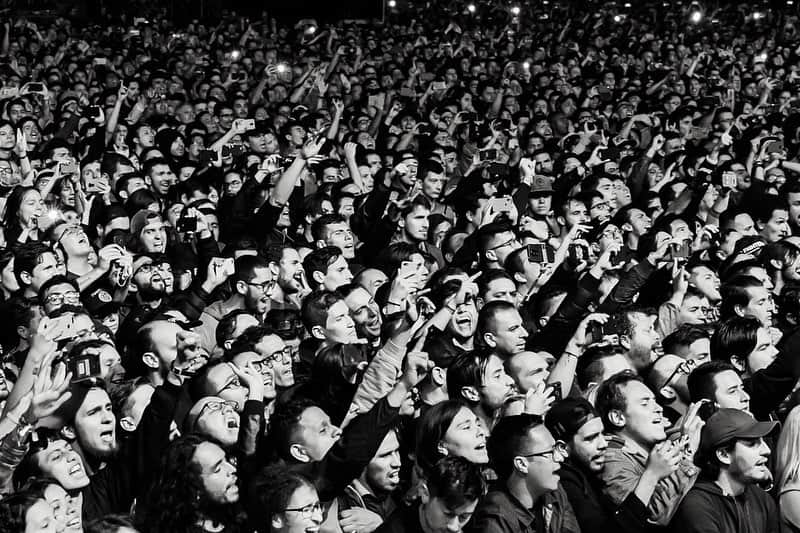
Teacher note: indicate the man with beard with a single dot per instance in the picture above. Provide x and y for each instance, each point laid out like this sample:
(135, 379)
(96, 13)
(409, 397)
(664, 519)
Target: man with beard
(527, 460)
(637, 335)
(731, 494)
(150, 293)
(368, 498)
(291, 284)
(575, 422)
(253, 284)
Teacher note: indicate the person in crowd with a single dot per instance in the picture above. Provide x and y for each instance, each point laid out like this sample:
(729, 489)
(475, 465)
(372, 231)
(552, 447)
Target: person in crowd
(262, 273)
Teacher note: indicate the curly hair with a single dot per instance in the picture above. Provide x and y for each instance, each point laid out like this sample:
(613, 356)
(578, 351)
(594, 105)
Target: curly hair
(177, 500)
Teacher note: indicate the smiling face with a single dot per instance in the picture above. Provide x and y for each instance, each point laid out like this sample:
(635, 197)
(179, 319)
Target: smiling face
(66, 509)
(365, 313)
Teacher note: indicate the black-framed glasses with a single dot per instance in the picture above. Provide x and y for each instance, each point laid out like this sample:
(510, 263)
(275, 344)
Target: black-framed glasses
(265, 287)
(216, 405)
(284, 355)
(560, 448)
(308, 511)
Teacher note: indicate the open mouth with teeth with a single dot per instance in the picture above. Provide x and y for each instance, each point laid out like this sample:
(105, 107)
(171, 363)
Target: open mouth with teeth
(76, 470)
(107, 436)
(232, 422)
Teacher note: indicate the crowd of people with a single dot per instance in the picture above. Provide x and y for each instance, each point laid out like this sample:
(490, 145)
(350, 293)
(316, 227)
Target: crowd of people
(483, 267)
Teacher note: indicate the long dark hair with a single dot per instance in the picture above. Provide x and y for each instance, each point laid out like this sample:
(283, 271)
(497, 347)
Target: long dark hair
(431, 429)
(177, 500)
(11, 221)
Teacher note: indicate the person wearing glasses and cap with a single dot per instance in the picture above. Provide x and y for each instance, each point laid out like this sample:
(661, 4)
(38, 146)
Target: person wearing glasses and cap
(527, 460)
(731, 494)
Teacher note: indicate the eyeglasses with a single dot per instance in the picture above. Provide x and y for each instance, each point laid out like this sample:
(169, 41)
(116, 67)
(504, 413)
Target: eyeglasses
(266, 286)
(279, 357)
(308, 511)
(70, 298)
(216, 406)
(560, 448)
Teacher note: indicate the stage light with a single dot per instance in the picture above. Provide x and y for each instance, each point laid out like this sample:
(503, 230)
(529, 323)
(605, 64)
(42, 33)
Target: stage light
(471, 8)
(696, 17)
(392, 3)
(515, 11)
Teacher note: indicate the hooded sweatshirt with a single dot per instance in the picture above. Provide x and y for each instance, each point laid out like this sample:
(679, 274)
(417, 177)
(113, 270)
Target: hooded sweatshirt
(706, 509)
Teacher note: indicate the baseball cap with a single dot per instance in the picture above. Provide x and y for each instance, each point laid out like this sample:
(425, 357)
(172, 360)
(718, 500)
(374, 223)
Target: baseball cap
(100, 303)
(749, 245)
(142, 219)
(567, 416)
(729, 424)
(541, 185)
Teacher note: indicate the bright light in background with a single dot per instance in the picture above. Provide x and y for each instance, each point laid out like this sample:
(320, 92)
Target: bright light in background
(617, 18)
(235, 54)
(515, 11)
(526, 65)
(471, 8)
(696, 17)
(627, 5)
(392, 3)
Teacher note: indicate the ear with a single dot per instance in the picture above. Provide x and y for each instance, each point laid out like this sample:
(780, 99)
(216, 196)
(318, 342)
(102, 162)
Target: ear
(669, 393)
(738, 362)
(442, 449)
(490, 255)
(274, 268)
(521, 465)
(276, 522)
(520, 278)
(739, 310)
(127, 424)
(241, 287)
(542, 321)
(320, 243)
(68, 432)
(299, 453)
(471, 394)
(774, 263)
(490, 339)
(227, 345)
(626, 227)
(401, 223)
(147, 180)
(25, 277)
(561, 221)
(318, 332)
(439, 376)
(318, 276)
(616, 417)
(723, 456)
(23, 332)
(150, 360)
(625, 341)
